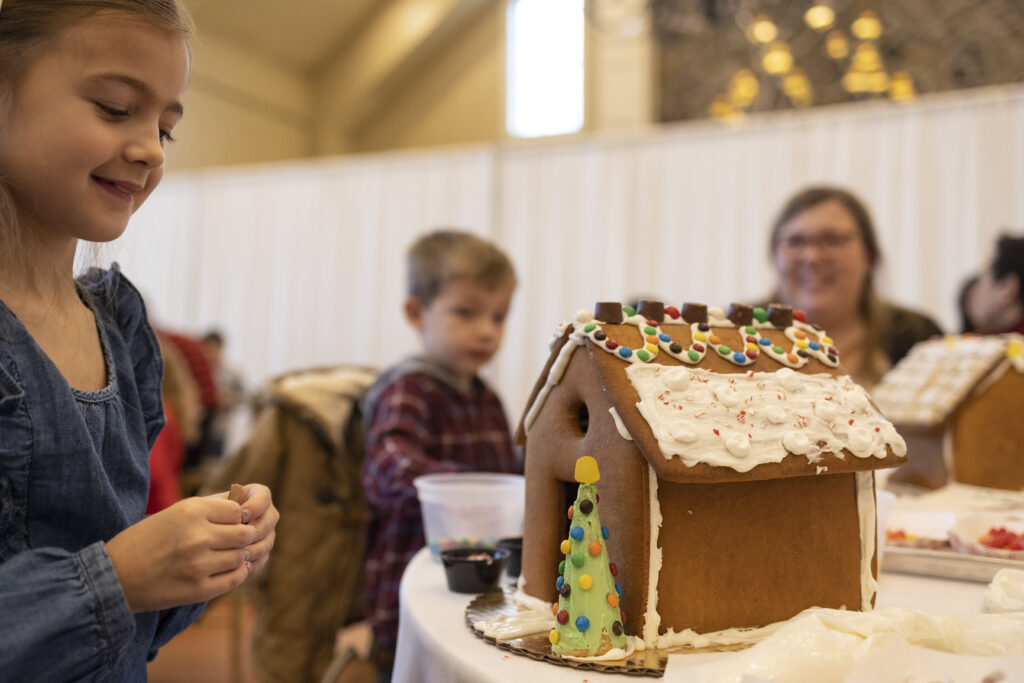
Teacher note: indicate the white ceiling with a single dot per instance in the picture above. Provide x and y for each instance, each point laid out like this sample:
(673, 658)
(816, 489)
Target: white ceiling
(298, 34)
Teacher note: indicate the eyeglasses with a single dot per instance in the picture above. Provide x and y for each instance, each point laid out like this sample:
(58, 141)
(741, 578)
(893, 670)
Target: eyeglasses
(828, 241)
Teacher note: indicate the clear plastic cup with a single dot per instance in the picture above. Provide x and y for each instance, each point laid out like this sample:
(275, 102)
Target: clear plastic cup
(465, 509)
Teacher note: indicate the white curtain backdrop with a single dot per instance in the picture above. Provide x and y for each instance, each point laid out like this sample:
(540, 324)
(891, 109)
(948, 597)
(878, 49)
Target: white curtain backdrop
(301, 264)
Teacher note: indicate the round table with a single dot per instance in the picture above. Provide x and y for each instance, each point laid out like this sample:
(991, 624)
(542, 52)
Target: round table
(434, 643)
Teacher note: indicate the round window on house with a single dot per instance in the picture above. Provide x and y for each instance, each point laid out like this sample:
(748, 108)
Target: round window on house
(579, 416)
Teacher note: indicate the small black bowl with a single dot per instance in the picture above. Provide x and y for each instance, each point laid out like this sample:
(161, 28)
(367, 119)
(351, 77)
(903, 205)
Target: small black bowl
(514, 546)
(473, 570)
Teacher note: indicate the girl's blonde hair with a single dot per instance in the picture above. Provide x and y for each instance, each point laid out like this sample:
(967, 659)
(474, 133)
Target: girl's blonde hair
(27, 29)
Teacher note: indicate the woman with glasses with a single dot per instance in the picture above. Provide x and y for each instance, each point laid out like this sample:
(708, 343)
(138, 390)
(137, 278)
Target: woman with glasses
(825, 252)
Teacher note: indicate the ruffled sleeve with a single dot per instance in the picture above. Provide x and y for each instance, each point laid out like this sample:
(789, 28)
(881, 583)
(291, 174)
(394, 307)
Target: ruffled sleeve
(117, 297)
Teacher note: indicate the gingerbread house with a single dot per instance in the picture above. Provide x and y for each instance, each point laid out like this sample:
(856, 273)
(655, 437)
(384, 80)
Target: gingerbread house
(737, 465)
(959, 401)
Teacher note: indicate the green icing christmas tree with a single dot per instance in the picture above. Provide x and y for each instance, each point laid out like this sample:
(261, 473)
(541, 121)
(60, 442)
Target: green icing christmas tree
(588, 619)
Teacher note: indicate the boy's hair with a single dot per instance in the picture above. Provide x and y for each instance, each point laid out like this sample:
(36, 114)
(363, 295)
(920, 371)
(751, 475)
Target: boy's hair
(27, 28)
(1009, 260)
(439, 257)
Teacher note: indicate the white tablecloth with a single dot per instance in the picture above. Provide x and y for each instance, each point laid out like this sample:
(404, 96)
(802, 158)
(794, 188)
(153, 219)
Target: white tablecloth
(434, 643)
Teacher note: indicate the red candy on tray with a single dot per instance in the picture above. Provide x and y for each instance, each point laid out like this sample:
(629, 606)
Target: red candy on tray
(1003, 539)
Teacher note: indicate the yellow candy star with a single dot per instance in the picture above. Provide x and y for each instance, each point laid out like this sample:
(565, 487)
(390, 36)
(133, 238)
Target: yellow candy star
(586, 470)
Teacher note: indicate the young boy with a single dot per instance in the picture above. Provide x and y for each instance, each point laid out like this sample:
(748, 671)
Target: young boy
(432, 413)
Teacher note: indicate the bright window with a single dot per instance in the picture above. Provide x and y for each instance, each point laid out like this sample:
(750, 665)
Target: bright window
(545, 67)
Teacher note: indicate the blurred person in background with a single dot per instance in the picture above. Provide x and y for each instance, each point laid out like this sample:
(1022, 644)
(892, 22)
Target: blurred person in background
(825, 252)
(992, 302)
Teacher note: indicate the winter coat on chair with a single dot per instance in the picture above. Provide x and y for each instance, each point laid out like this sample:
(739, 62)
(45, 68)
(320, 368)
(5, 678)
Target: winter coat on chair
(307, 445)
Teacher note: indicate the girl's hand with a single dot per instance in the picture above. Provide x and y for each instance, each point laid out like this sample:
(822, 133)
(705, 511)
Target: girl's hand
(258, 511)
(191, 551)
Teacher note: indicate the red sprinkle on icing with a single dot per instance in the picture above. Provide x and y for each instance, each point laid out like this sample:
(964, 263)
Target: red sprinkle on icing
(851, 421)
(716, 433)
(878, 429)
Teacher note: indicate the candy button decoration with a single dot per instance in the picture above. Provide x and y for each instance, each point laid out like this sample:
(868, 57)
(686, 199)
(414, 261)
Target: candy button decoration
(586, 582)
(587, 472)
(576, 533)
(595, 548)
(566, 547)
(558, 583)
(572, 511)
(613, 599)
(582, 623)
(604, 532)
(578, 559)
(562, 617)
(553, 637)
(586, 506)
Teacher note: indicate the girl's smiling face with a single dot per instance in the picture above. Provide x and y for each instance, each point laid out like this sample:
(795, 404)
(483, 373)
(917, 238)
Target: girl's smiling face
(82, 145)
(822, 262)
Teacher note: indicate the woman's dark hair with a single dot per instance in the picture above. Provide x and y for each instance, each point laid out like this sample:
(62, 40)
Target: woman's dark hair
(1009, 260)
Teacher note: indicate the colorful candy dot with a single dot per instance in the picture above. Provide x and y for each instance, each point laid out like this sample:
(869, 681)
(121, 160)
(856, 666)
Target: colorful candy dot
(565, 590)
(586, 581)
(700, 336)
(562, 617)
(561, 567)
(589, 327)
(622, 615)
(827, 340)
(739, 357)
(699, 348)
(643, 355)
(653, 348)
(553, 636)
(566, 547)
(586, 506)
(760, 315)
(629, 311)
(693, 355)
(833, 358)
(792, 358)
(600, 335)
(577, 558)
(651, 339)
(576, 533)
(724, 350)
(604, 532)
(611, 344)
(595, 548)
(612, 599)
(801, 343)
(554, 608)
(751, 346)
(750, 330)
(558, 583)
(649, 330)
(803, 353)
(703, 327)
(618, 590)
(582, 623)
(617, 628)
(613, 569)
(814, 345)
(764, 341)
(777, 349)
(798, 314)
(675, 347)
(672, 312)
(800, 334)
(713, 338)
(571, 512)
(664, 337)
(752, 354)
(625, 352)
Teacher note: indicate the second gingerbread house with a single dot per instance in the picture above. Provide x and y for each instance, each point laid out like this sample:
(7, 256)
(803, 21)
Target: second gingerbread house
(737, 465)
(960, 403)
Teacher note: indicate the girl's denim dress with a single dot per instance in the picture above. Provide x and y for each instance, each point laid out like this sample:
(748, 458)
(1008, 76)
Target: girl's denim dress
(73, 473)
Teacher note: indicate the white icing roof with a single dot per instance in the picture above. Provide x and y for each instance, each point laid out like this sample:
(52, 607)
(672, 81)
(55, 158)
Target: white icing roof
(741, 420)
(927, 385)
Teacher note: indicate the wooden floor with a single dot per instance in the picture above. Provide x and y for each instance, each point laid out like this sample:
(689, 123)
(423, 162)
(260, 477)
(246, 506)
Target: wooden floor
(214, 649)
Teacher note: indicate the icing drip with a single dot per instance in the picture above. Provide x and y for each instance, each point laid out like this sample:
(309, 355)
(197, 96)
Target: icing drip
(553, 378)
(621, 428)
(743, 420)
(868, 534)
(652, 620)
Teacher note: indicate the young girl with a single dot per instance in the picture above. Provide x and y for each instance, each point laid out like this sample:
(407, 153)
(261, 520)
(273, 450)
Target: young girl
(90, 91)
